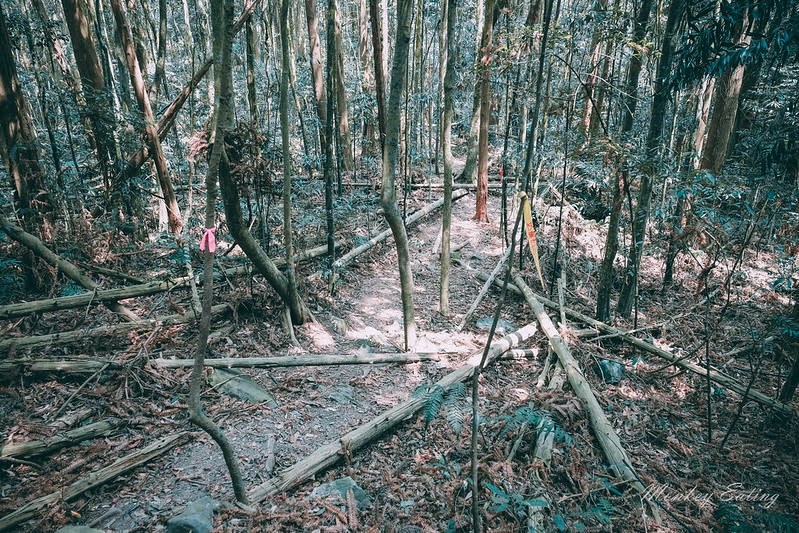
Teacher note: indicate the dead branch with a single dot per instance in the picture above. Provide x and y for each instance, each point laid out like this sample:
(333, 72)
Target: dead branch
(66, 337)
(120, 466)
(301, 360)
(35, 245)
(329, 454)
(60, 440)
(350, 256)
(131, 291)
(605, 434)
(715, 375)
(67, 366)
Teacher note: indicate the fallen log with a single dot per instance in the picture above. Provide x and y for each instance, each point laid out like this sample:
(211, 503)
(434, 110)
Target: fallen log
(347, 258)
(131, 291)
(60, 440)
(437, 186)
(608, 438)
(300, 360)
(120, 466)
(66, 337)
(64, 366)
(328, 454)
(35, 245)
(715, 375)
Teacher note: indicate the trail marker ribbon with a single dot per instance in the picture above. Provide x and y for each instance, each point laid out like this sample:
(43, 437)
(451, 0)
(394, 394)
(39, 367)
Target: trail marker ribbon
(208, 240)
(529, 229)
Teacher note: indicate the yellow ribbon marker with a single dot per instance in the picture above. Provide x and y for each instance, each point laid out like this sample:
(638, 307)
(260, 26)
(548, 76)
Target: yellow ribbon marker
(531, 238)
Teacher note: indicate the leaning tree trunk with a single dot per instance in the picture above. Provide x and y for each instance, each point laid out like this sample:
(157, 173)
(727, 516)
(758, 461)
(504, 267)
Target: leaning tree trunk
(658, 114)
(167, 188)
(448, 50)
(223, 81)
(390, 161)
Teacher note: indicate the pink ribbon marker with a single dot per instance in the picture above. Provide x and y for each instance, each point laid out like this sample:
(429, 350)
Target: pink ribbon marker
(208, 240)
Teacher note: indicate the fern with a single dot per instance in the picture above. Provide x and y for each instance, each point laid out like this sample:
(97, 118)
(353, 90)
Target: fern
(452, 400)
(732, 520)
(529, 417)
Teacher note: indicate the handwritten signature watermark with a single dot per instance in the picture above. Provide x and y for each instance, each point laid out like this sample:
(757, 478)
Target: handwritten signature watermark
(735, 492)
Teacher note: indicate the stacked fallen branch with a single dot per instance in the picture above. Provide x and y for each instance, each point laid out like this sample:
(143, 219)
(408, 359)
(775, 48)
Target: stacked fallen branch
(715, 375)
(35, 245)
(328, 454)
(119, 467)
(65, 337)
(131, 291)
(42, 447)
(347, 258)
(300, 360)
(605, 434)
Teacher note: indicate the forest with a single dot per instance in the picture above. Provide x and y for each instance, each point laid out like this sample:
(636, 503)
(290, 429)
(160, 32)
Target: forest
(399, 265)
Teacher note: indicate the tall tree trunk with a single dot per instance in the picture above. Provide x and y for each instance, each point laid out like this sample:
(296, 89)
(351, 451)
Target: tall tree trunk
(252, 52)
(160, 62)
(725, 108)
(167, 188)
(316, 69)
(486, 43)
(222, 13)
(630, 101)
(285, 80)
(390, 161)
(367, 75)
(595, 61)
(380, 79)
(469, 173)
(342, 113)
(658, 114)
(19, 147)
(532, 141)
(448, 50)
(621, 175)
(93, 85)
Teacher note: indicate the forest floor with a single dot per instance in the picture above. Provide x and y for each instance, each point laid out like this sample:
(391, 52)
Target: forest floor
(415, 475)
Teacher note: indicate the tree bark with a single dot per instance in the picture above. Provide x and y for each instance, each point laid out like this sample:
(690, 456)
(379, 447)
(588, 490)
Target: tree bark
(390, 162)
(164, 180)
(342, 112)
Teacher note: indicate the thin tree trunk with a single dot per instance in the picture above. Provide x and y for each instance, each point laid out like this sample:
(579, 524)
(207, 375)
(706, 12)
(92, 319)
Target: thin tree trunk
(390, 161)
(252, 47)
(448, 51)
(160, 62)
(342, 113)
(167, 188)
(380, 80)
(316, 68)
(486, 43)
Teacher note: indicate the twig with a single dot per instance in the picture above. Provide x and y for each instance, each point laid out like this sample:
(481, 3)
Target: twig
(20, 462)
(66, 403)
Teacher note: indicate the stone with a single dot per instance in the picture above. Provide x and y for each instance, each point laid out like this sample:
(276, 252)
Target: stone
(239, 386)
(78, 529)
(342, 394)
(611, 371)
(197, 517)
(339, 488)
